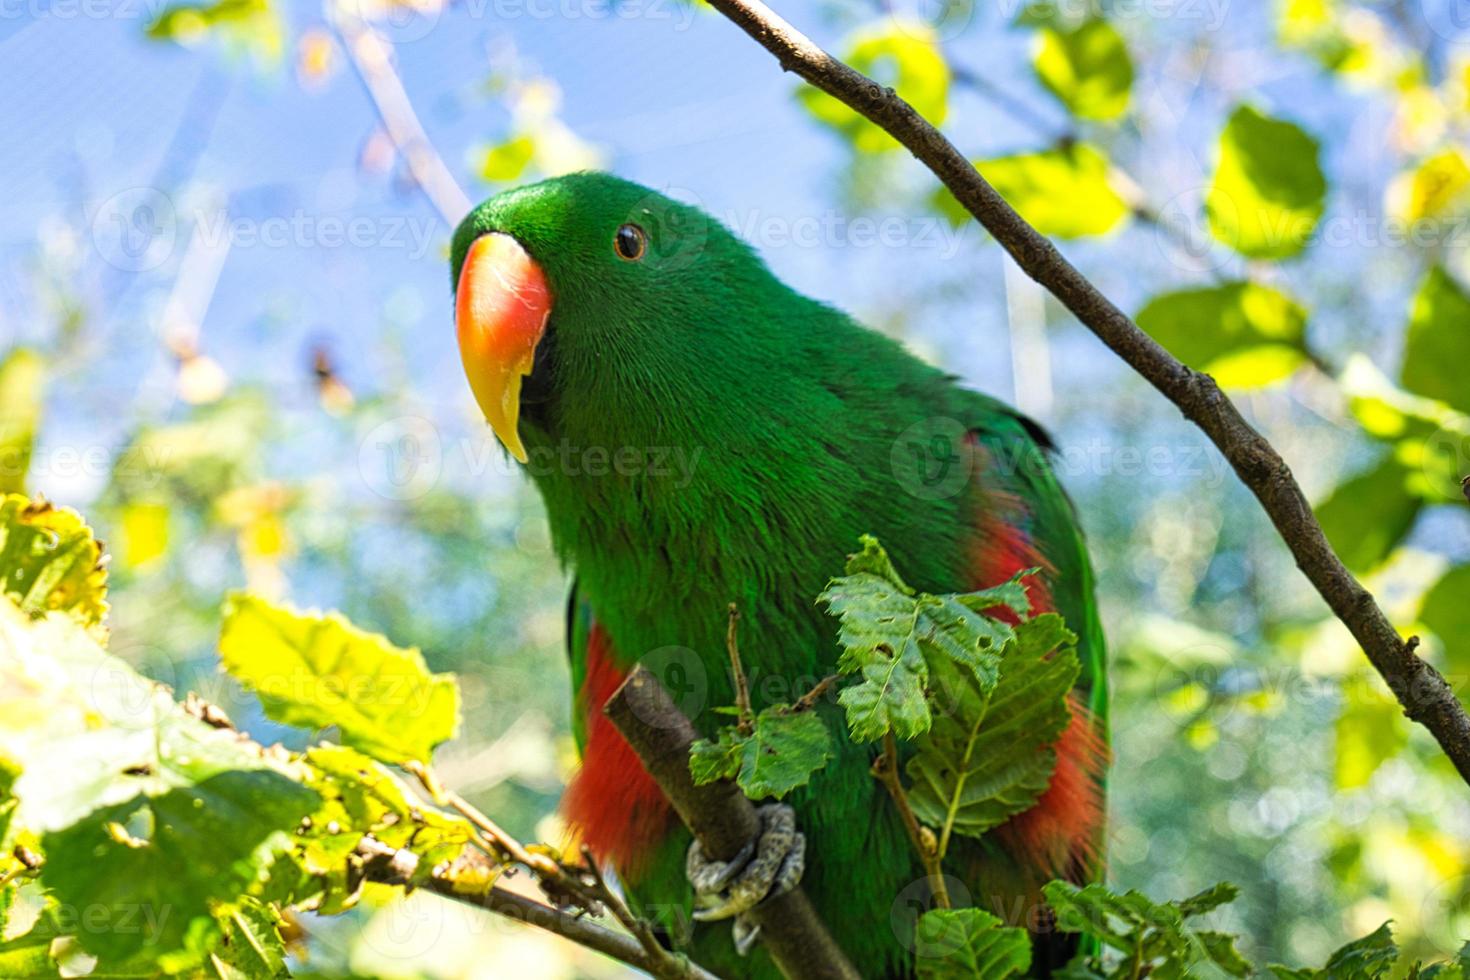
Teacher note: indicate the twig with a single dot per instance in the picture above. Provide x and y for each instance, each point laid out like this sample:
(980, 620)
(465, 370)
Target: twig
(808, 700)
(557, 879)
(723, 821)
(737, 674)
(885, 770)
(639, 928)
(369, 54)
(1425, 695)
(391, 866)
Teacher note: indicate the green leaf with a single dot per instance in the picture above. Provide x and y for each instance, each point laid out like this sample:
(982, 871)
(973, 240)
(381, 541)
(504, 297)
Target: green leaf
(507, 161)
(313, 670)
(22, 379)
(1268, 190)
(711, 761)
(1154, 938)
(892, 637)
(1367, 515)
(1371, 729)
(1368, 958)
(361, 796)
(990, 755)
(250, 25)
(899, 53)
(1445, 611)
(1437, 344)
(784, 747)
(1065, 192)
(1086, 67)
(151, 871)
(251, 947)
(88, 731)
(49, 561)
(1438, 187)
(969, 944)
(1244, 334)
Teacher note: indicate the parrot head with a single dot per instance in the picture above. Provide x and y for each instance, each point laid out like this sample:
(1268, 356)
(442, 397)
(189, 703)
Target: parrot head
(586, 302)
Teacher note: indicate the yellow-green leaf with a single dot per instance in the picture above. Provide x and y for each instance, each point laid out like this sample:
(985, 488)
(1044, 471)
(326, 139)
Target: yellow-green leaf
(1245, 334)
(1437, 345)
(1063, 192)
(507, 161)
(22, 377)
(1370, 730)
(49, 561)
(1268, 190)
(1086, 67)
(314, 670)
(902, 54)
(1438, 186)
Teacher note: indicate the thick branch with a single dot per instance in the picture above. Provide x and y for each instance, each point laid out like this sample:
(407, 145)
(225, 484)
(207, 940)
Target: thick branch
(390, 866)
(723, 821)
(1425, 695)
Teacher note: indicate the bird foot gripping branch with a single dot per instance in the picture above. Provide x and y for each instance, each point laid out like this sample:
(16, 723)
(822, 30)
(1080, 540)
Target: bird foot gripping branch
(770, 865)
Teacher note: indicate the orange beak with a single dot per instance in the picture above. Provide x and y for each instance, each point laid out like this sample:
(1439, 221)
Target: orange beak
(500, 314)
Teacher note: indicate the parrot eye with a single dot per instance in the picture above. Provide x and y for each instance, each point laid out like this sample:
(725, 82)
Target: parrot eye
(631, 242)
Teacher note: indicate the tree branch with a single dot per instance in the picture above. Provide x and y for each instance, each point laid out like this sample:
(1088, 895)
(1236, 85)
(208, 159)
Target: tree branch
(391, 866)
(723, 821)
(1424, 693)
(370, 55)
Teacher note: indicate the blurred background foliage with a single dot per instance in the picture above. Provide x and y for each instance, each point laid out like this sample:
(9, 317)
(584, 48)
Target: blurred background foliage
(226, 331)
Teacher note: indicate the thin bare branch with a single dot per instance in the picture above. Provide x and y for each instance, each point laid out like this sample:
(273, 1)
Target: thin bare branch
(371, 57)
(1424, 693)
(391, 866)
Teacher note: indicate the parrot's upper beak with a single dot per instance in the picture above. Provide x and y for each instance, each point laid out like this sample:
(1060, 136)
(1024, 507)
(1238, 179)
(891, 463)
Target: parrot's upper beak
(500, 314)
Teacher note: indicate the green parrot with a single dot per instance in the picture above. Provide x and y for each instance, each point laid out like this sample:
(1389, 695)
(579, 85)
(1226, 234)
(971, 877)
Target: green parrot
(703, 435)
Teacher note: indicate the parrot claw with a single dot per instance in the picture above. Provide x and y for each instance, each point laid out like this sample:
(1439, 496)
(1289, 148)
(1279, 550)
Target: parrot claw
(769, 866)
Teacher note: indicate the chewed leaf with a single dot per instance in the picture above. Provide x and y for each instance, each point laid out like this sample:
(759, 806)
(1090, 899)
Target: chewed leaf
(49, 561)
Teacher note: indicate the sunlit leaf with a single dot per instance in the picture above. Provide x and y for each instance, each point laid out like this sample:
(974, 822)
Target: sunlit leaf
(1086, 67)
(969, 944)
(251, 947)
(249, 25)
(22, 379)
(49, 561)
(507, 161)
(143, 534)
(1371, 729)
(1244, 334)
(1268, 191)
(87, 730)
(1063, 192)
(902, 54)
(1438, 186)
(1366, 516)
(313, 670)
(1437, 344)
